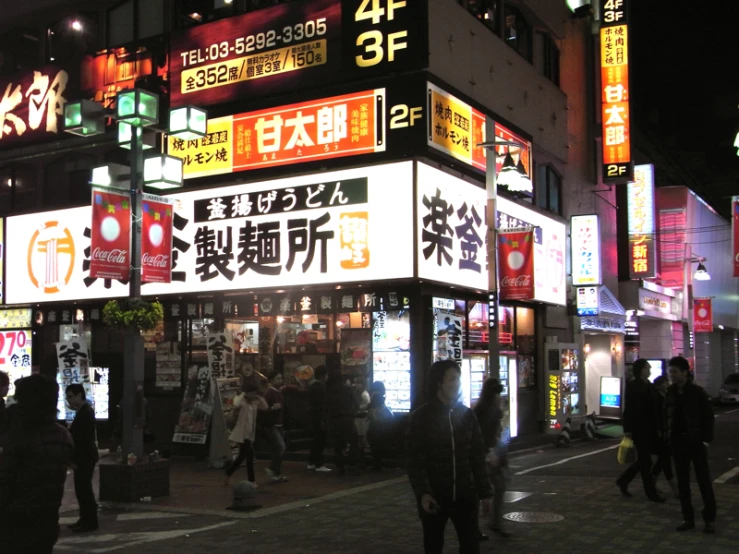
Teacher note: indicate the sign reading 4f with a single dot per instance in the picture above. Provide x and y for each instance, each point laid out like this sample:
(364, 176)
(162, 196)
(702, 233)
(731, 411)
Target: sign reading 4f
(387, 33)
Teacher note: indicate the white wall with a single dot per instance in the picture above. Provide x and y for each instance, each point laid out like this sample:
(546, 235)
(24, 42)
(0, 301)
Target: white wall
(599, 363)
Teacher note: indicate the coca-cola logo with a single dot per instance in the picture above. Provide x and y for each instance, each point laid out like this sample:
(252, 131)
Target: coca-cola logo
(160, 260)
(518, 281)
(116, 256)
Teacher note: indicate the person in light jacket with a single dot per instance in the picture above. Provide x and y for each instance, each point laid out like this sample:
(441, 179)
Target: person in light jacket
(248, 403)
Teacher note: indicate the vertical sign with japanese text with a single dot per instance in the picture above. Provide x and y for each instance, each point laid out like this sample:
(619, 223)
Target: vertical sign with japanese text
(73, 359)
(618, 165)
(197, 407)
(734, 234)
(220, 354)
(156, 239)
(111, 235)
(641, 223)
(15, 354)
(585, 244)
(702, 315)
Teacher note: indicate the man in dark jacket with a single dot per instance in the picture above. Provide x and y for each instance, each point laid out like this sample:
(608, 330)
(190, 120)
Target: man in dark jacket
(85, 458)
(689, 424)
(317, 405)
(446, 463)
(34, 455)
(640, 424)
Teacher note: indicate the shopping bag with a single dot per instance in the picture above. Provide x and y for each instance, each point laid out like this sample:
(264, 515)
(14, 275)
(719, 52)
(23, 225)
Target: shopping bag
(626, 453)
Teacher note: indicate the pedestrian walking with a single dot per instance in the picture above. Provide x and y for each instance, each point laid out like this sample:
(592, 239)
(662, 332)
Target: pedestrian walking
(85, 457)
(380, 419)
(664, 459)
(446, 463)
(490, 417)
(640, 425)
(35, 454)
(341, 408)
(273, 426)
(247, 404)
(317, 406)
(361, 421)
(690, 422)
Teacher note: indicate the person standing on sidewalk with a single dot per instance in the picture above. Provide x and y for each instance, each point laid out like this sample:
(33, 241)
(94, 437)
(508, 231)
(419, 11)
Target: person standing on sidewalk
(34, 456)
(361, 421)
(85, 458)
(446, 463)
(640, 425)
(490, 416)
(274, 426)
(247, 404)
(380, 419)
(341, 406)
(664, 460)
(689, 422)
(317, 406)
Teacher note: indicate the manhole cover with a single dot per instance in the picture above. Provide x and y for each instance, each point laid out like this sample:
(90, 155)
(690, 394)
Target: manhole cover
(533, 517)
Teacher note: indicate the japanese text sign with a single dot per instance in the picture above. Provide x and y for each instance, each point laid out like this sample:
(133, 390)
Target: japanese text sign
(734, 233)
(15, 355)
(702, 315)
(73, 358)
(455, 127)
(451, 229)
(614, 64)
(197, 407)
(220, 354)
(346, 125)
(449, 337)
(111, 235)
(641, 223)
(15, 318)
(296, 45)
(585, 244)
(156, 239)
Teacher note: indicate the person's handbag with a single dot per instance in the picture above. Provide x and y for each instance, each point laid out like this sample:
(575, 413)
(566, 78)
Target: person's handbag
(626, 453)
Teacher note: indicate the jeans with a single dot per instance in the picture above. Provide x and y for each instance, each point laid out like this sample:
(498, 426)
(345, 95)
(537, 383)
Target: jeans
(85, 495)
(464, 519)
(686, 453)
(497, 477)
(664, 463)
(277, 440)
(643, 465)
(246, 452)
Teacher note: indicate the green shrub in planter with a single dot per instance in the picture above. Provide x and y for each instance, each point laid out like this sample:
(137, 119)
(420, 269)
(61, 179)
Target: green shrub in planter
(135, 314)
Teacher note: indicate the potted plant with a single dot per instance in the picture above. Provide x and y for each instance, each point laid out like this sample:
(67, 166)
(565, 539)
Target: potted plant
(133, 314)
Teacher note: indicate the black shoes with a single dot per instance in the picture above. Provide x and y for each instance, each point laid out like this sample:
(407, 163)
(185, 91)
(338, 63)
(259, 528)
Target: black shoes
(74, 526)
(84, 528)
(710, 528)
(658, 499)
(686, 526)
(624, 489)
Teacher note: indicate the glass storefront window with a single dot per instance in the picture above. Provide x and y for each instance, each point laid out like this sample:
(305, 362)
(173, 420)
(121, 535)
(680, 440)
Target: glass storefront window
(477, 336)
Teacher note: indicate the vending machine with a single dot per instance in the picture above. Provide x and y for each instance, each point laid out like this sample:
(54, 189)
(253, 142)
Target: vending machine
(565, 396)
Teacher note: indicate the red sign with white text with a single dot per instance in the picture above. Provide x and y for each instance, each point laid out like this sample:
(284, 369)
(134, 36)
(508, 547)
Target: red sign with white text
(735, 233)
(516, 265)
(702, 315)
(110, 248)
(156, 240)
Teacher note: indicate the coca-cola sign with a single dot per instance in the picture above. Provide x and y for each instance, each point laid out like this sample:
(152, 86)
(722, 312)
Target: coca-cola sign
(160, 260)
(156, 240)
(111, 235)
(516, 265)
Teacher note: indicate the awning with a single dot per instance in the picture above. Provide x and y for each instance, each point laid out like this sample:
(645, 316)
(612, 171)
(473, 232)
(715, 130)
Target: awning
(611, 316)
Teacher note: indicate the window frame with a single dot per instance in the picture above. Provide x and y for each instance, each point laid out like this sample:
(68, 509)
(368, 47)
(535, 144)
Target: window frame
(521, 24)
(549, 170)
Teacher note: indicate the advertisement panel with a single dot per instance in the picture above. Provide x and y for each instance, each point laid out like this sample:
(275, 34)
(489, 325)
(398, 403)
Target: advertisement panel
(51, 251)
(451, 229)
(734, 233)
(610, 392)
(111, 235)
(197, 407)
(455, 127)
(516, 264)
(15, 355)
(156, 239)
(641, 223)
(550, 284)
(702, 315)
(618, 165)
(585, 244)
(296, 45)
(588, 301)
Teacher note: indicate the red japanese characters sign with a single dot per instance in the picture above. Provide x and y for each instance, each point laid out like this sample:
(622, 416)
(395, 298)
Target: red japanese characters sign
(702, 315)
(346, 125)
(156, 240)
(516, 265)
(614, 64)
(110, 235)
(735, 233)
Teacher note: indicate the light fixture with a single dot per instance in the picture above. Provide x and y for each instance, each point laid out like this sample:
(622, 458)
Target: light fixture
(701, 274)
(10, 182)
(125, 136)
(196, 16)
(523, 183)
(84, 118)
(137, 107)
(586, 348)
(581, 8)
(280, 319)
(163, 172)
(721, 327)
(188, 123)
(111, 175)
(76, 25)
(509, 175)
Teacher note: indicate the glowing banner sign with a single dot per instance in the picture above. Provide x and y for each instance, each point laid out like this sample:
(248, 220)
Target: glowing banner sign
(618, 165)
(642, 244)
(585, 243)
(702, 315)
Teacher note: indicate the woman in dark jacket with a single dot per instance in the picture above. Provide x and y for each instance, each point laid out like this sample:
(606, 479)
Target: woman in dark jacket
(490, 416)
(341, 406)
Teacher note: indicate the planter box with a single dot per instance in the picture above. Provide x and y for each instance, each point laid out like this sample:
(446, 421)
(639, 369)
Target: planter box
(124, 483)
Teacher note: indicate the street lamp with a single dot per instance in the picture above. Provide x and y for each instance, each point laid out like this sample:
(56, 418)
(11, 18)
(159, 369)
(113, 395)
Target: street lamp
(163, 172)
(84, 118)
(188, 123)
(701, 274)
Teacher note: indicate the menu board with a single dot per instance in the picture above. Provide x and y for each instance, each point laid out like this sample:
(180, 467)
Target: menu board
(356, 352)
(168, 365)
(391, 357)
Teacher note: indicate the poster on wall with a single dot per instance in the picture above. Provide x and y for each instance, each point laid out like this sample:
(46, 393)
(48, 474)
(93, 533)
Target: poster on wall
(516, 264)
(156, 239)
(73, 357)
(356, 353)
(197, 407)
(702, 315)
(15, 355)
(220, 350)
(111, 235)
(449, 337)
(451, 229)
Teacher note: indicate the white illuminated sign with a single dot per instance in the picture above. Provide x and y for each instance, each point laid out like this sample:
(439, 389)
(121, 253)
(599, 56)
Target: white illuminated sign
(585, 244)
(588, 301)
(451, 230)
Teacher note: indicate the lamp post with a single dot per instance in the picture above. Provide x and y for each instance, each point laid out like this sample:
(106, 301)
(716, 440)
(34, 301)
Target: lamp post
(136, 109)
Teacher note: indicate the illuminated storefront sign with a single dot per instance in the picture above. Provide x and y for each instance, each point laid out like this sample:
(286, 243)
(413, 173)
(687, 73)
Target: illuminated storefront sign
(17, 318)
(614, 64)
(588, 301)
(346, 125)
(585, 244)
(296, 45)
(641, 223)
(702, 315)
(610, 392)
(456, 128)
(555, 399)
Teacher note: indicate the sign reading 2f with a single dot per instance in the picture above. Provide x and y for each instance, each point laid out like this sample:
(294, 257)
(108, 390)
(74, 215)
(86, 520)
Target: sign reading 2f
(386, 34)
